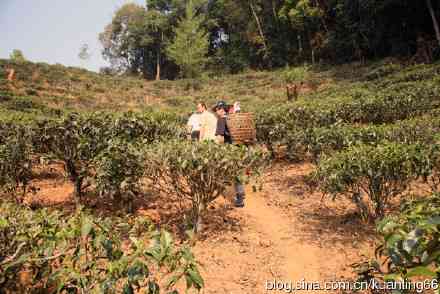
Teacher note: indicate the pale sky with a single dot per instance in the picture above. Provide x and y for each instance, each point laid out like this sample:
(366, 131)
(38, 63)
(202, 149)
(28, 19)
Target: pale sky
(53, 31)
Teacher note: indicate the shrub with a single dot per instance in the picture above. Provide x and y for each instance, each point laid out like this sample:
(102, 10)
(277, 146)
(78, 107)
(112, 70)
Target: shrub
(83, 141)
(76, 140)
(119, 168)
(83, 254)
(380, 172)
(340, 136)
(410, 243)
(382, 71)
(15, 157)
(148, 127)
(361, 106)
(199, 172)
(297, 74)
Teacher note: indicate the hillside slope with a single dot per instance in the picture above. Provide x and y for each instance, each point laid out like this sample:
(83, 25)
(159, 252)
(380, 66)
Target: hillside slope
(39, 87)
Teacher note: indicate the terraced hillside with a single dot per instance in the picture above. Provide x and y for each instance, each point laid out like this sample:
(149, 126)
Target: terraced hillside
(38, 86)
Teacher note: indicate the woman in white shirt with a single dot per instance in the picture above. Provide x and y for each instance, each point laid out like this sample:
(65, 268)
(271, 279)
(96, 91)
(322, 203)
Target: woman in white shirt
(208, 123)
(193, 126)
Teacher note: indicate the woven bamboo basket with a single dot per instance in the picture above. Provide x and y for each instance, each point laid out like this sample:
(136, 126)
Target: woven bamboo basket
(242, 128)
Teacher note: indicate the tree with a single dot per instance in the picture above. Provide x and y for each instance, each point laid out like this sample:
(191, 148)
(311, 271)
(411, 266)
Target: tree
(17, 56)
(134, 41)
(190, 46)
(122, 39)
(158, 39)
(260, 28)
(304, 17)
(157, 26)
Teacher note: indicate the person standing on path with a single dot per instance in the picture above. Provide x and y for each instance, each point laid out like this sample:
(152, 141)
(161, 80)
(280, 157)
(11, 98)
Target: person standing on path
(208, 123)
(223, 136)
(193, 125)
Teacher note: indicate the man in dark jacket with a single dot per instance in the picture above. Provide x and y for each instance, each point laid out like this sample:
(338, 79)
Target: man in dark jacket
(223, 136)
(222, 132)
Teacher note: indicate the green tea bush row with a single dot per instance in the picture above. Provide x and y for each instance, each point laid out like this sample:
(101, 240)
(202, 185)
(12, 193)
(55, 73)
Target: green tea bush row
(378, 172)
(81, 142)
(337, 137)
(43, 251)
(113, 153)
(86, 142)
(278, 122)
(420, 73)
(312, 143)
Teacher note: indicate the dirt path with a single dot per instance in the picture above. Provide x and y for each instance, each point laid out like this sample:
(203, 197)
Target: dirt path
(284, 233)
(300, 260)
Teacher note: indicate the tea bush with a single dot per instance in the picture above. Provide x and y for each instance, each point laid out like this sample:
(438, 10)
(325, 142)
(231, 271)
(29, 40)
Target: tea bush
(15, 157)
(340, 136)
(79, 139)
(380, 172)
(410, 243)
(360, 106)
(148, 127)
(200, 172)
(76, 140)
(119, 168)
(84, 254)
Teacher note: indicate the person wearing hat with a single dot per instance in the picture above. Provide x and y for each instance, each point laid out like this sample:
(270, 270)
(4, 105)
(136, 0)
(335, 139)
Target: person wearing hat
(222, 132)
(223, 136)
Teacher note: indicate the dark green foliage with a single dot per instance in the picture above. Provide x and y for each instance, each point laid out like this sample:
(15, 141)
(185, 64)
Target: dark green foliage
(410, 242)
(15, 157)
(294, 124)
(379, 172)
(272, 34)
(340, 136)
(119, 168)
(76, 140)
(84, 254)
(189, 48)
(148, 127)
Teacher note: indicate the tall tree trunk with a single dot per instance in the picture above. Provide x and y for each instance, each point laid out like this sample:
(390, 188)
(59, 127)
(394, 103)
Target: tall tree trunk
(275, 14)
(260, 29)
(158, 59)
(158, 66)
(323, 7)
(434, 20)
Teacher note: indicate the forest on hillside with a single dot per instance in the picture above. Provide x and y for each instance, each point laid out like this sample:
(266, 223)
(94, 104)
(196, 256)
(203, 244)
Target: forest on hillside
(172, 38)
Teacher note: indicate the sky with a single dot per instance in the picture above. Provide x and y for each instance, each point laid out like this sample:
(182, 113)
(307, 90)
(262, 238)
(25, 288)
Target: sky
(53, 31)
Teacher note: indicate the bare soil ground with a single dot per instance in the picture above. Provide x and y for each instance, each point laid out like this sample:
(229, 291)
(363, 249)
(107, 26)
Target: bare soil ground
(285, 232)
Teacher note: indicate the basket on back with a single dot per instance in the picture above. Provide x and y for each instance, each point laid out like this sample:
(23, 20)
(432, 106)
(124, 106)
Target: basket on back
(242, 128)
